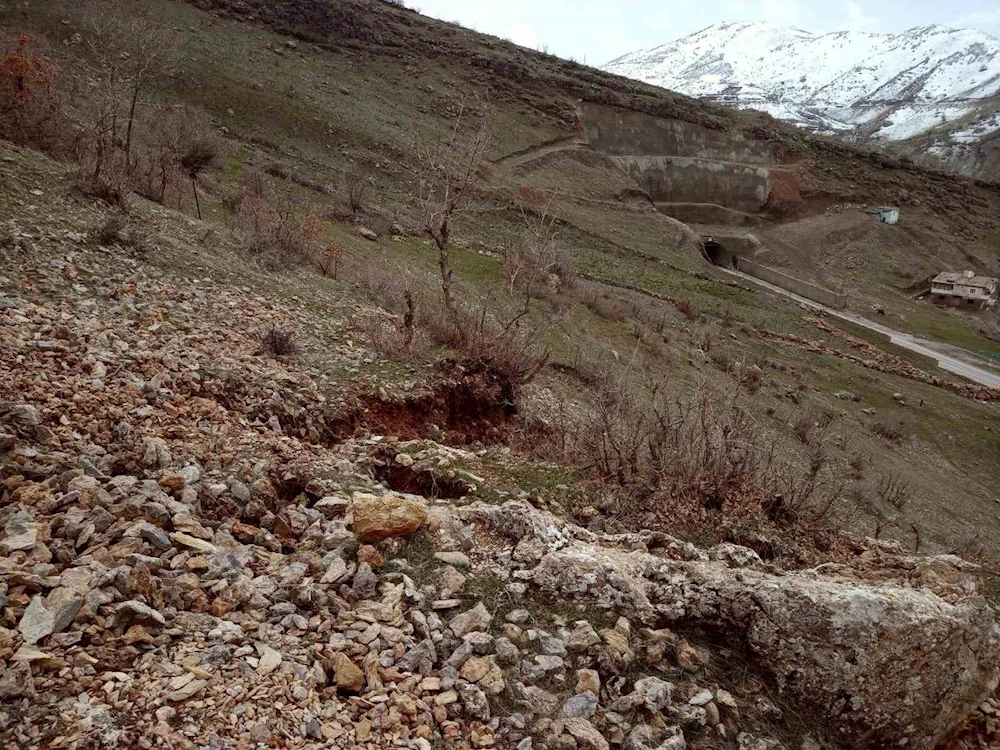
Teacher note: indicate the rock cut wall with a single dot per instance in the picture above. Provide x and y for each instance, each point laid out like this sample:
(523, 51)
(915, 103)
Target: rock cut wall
(683, 165)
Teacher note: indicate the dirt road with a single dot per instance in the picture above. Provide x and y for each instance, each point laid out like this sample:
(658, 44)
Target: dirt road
(977, 374)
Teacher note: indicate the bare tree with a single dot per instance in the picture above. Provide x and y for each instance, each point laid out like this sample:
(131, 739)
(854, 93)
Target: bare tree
(536, 253)
(446, 190)
(895, 491)
(356, 187)
(131, 53)
(196, 160)
(178, 143)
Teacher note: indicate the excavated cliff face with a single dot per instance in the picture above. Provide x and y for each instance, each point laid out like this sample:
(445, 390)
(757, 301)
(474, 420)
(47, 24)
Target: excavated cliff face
(692, 173)
(887, 664)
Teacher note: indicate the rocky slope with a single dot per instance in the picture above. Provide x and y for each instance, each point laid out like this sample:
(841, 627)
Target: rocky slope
(886, 86)
(195, 554)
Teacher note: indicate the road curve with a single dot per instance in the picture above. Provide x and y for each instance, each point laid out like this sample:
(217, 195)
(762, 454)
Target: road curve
(923, 346)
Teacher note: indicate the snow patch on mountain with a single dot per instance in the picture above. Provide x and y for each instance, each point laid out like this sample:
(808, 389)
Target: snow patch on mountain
(886, 86)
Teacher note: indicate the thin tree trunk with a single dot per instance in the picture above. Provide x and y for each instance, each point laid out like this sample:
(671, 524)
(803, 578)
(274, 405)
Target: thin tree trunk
(444, 262)
(128, 130)
(197, 203)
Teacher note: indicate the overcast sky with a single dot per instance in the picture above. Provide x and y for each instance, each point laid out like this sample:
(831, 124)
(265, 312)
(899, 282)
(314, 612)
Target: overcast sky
(597, 31)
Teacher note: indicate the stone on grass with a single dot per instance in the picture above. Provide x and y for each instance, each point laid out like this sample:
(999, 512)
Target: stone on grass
(477, 618)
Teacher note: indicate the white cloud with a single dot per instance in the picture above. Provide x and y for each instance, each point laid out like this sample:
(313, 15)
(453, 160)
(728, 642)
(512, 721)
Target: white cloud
(984, 20)
(524, 35)
(781, 12)
(856, 18)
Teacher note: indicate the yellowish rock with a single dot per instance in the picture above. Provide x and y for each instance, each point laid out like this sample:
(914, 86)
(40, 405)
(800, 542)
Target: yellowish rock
(377, 518)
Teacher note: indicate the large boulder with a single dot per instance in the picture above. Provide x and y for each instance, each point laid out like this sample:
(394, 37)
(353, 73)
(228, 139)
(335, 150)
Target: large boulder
(890, 665)
(380, 517)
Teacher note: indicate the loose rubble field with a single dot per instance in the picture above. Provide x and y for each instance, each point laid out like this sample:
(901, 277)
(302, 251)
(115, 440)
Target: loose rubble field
(197, 552)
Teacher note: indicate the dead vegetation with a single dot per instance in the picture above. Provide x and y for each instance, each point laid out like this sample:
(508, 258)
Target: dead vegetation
(278, 230)
(694, 465)
(687, 308)
(103, 114)
(279, 342)
(356, 188)
(448, 174)
(116, 230)
(33, 108)
(482, 333)
(888, 429)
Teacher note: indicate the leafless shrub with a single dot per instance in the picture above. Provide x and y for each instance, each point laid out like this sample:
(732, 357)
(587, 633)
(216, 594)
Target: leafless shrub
(506, 346)
(751, 377)
(33, 100)
(331, 260)
(894, 491)
(111, 230)
(115, 230)
(884, 523)
(856, 463)
(197, 156)
(721, 361)
(696, 462)
(605, 307)
(804, 429)
(137, 239)
(130, 53)
(888, 429)
(395, 330)
(496, 340)
(393, 335)
(356, 188)
(176, 146)
(278, 230)
(535, 262)
(111, 185)
(888, 501)
(279, 342)
(687, 308)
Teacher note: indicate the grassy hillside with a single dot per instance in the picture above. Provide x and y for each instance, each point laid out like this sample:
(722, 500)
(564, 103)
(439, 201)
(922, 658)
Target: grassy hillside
(316, 93)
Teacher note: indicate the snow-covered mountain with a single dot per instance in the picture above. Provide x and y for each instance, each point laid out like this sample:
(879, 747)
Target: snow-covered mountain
(883, 86)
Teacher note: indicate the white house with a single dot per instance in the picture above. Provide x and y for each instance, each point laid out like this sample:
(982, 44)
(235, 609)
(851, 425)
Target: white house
(887, 214)
(964, 289)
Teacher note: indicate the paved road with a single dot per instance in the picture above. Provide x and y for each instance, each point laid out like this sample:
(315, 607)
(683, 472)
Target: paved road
(923, 346)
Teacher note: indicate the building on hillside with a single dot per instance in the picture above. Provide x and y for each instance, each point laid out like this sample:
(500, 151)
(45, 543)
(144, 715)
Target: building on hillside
(964, 289)
(887, 214)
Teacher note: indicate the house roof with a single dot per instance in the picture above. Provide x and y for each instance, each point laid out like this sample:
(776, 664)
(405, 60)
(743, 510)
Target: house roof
(957, 277)
(886, 208)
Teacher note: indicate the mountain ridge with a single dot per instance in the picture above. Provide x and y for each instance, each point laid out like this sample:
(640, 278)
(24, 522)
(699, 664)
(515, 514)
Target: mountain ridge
(870, 86)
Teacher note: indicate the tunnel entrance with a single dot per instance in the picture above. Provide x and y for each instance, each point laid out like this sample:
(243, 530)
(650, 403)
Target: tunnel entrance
(717, 253)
